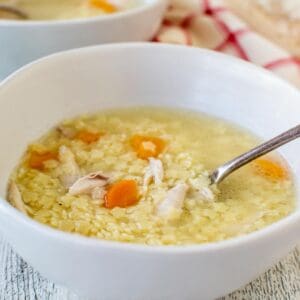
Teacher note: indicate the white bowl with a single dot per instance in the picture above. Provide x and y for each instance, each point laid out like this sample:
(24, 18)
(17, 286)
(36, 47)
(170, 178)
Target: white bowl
(86, 80)
(24, 41)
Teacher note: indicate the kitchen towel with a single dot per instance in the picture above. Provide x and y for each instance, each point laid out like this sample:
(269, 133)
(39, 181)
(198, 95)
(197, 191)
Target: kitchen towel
(210, 24)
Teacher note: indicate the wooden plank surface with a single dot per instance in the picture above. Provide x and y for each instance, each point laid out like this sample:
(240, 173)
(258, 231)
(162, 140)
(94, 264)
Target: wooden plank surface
(18, 281)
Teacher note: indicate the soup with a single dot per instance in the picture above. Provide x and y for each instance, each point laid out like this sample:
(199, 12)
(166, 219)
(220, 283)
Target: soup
(68, 9)
(141, 175)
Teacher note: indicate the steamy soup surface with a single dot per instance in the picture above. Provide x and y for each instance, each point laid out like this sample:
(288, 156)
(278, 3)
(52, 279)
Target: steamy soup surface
(69, 9)
(141, 175)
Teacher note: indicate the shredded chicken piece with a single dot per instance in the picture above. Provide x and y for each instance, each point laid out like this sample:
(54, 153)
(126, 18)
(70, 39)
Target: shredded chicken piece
(171, 206)
(91, 184)
(202, 190)
(67, 132)
(154, 171)
(15, 197)
(206, 194)
(98, 194)
(70, 169)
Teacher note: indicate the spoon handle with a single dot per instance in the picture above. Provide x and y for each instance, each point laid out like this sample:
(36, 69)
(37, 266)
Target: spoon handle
(223, 171)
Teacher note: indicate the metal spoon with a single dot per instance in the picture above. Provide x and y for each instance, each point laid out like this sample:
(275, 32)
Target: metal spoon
(226, 169)
(12, 12)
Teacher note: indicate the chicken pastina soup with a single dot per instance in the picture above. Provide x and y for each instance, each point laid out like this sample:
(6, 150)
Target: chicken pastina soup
(68, 9)
(141, 175)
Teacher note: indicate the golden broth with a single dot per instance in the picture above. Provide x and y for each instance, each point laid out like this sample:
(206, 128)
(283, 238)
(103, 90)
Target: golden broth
(253, 197)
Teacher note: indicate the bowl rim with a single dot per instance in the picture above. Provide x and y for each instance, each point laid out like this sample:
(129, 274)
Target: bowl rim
(127, 13)
(6, 208)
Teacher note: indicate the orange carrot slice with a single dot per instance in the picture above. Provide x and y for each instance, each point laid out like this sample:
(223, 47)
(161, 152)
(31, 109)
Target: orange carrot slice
(37, 159)
(87, 137)
(147, 146)
(270, 169)
(104, 5)
(122, 194)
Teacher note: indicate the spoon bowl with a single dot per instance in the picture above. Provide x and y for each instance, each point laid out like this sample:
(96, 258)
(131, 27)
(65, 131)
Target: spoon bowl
(220, 173)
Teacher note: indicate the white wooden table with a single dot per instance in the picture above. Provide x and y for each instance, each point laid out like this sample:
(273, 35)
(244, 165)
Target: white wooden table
(18, 281)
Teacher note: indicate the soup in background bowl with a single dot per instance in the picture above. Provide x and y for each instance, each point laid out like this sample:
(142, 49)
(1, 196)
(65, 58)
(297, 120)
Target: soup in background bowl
(57, 25)
(67, 9)
(102, 79)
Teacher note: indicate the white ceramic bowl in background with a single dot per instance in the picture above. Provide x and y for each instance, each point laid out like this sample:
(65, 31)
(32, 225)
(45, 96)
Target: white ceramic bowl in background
(24, 41)
(92, 79)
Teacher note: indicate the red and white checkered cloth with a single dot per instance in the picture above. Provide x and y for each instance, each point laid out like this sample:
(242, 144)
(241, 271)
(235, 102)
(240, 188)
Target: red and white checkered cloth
(210, 24)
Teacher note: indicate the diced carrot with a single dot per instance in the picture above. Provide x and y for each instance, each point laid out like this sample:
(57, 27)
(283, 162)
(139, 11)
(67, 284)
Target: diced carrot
(270, 169)
(104, 5)
(147, 146)
(87, 137)
(122, 194)
(37, 159)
